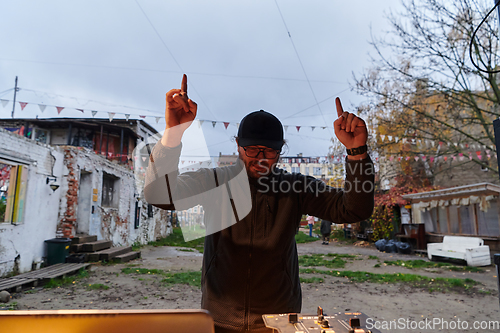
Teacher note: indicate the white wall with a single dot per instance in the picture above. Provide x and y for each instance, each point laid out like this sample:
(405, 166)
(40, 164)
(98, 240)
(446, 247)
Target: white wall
(26, 239)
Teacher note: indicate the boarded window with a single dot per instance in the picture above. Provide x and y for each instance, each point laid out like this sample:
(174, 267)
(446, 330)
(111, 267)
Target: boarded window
(454, 219)
(466, 220)
(430, 224)
(110, 197)
(443, 220)
(488, 221)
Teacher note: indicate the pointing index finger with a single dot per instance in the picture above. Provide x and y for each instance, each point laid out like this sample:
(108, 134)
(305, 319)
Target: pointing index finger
(184, 84)
(340, 110)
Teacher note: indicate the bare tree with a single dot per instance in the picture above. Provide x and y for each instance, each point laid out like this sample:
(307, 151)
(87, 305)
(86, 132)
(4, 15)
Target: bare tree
(427, 100)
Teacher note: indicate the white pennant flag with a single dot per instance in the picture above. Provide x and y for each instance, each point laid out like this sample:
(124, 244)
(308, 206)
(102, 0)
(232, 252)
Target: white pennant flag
(286, 128)
(157, 119)
(396, 139)
(127, 116)
(382, 136)
(201, 122)
(111, 115)
(389, 137)
(4, 102)
(42, 107)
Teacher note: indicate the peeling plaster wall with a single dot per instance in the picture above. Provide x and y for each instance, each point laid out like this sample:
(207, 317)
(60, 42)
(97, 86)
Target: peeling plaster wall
(22, 244)
(108, 223)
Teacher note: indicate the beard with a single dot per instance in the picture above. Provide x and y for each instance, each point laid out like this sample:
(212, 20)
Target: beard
(257, 168)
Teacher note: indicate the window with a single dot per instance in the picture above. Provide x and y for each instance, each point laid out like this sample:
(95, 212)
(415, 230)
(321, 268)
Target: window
(317, 171)
(41, 135)
(150, 211)
(295, 169)
(110, 197)
(488, 220)
(13, 180)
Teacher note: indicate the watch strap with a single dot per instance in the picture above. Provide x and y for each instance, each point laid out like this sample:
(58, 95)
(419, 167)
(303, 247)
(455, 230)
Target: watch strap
(357, 150)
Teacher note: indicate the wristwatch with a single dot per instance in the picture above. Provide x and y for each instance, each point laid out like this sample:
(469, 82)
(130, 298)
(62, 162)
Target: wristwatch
(357, 151)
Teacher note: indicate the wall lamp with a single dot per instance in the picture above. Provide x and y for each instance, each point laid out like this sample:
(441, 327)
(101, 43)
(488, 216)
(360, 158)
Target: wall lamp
(54, 185)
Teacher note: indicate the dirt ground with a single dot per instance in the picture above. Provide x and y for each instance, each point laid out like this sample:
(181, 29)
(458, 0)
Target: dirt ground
(384, 303)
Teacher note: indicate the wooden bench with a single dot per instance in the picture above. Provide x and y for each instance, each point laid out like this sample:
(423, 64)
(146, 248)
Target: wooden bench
(470, 249)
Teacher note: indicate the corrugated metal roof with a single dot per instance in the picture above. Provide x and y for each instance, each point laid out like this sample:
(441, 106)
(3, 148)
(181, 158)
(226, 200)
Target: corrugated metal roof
(454, 192)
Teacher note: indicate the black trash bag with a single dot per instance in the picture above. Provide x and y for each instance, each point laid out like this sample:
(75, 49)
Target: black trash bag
(390, 247)
(380, 244)
(403, 248)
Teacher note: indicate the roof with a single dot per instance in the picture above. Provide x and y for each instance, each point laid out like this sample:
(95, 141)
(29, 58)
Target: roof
(455, 192)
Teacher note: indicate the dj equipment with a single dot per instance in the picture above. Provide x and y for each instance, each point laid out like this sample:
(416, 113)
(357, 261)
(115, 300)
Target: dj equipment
(341, 322)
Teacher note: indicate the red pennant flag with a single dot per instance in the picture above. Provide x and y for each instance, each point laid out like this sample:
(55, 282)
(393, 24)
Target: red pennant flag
(226, 124)
(81, 110)
(432, 159)
(445, 158)
(298, 128)
(142, 117)
(59, 109)
(23, 105)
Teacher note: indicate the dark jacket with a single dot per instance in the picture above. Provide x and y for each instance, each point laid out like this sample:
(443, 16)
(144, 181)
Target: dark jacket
(251, 268)
(326, 227)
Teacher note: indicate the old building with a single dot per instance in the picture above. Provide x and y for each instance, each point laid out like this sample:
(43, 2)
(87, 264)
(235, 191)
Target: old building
(67, 177)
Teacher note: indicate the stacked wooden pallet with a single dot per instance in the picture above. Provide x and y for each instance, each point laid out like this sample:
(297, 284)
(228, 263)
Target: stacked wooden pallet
(90, 250)
(39, 277)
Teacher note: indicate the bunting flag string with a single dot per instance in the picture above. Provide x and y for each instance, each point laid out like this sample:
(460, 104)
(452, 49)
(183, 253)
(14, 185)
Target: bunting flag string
(385, 138)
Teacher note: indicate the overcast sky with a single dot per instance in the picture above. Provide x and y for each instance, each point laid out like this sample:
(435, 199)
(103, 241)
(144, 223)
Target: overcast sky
(122, 56)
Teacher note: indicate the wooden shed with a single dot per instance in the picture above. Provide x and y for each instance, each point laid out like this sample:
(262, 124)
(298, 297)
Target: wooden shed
(470, 210)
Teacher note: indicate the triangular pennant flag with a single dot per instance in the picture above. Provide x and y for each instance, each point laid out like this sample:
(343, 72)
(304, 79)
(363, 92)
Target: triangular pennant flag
(4, 102)
(127, 116)
(213, 124)
(396, 139)
(323, 127)
(143, 117)
(298, 128)
(286, 128)
(157, 119)
(94, 113)
(445, 158)
(382, 136)
(226, 124)
(59, 109)
(312, 128)
(81, 110)
(111, 154)
(389, 137)
(144, 159)
(237, 125)
(111, 115)
(201, 122)
(135, 157)
(42, 107)
(23, 105)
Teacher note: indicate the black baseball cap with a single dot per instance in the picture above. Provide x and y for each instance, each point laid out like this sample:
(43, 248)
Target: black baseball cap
(261, 128)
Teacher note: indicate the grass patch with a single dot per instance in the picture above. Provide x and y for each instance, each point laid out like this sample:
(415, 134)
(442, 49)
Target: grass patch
(303, 238)
(8, 306)
(432, 284)
(192, 278)
(60, 282)
(137, 270)
(373, 257)
(330, 260)
(97, 286)
(189, 278)
(313, 279)
(176, 239)
(430, 264)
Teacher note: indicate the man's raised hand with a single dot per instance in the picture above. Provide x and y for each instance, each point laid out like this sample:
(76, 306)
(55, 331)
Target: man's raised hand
(349, 129)
(180, 111)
